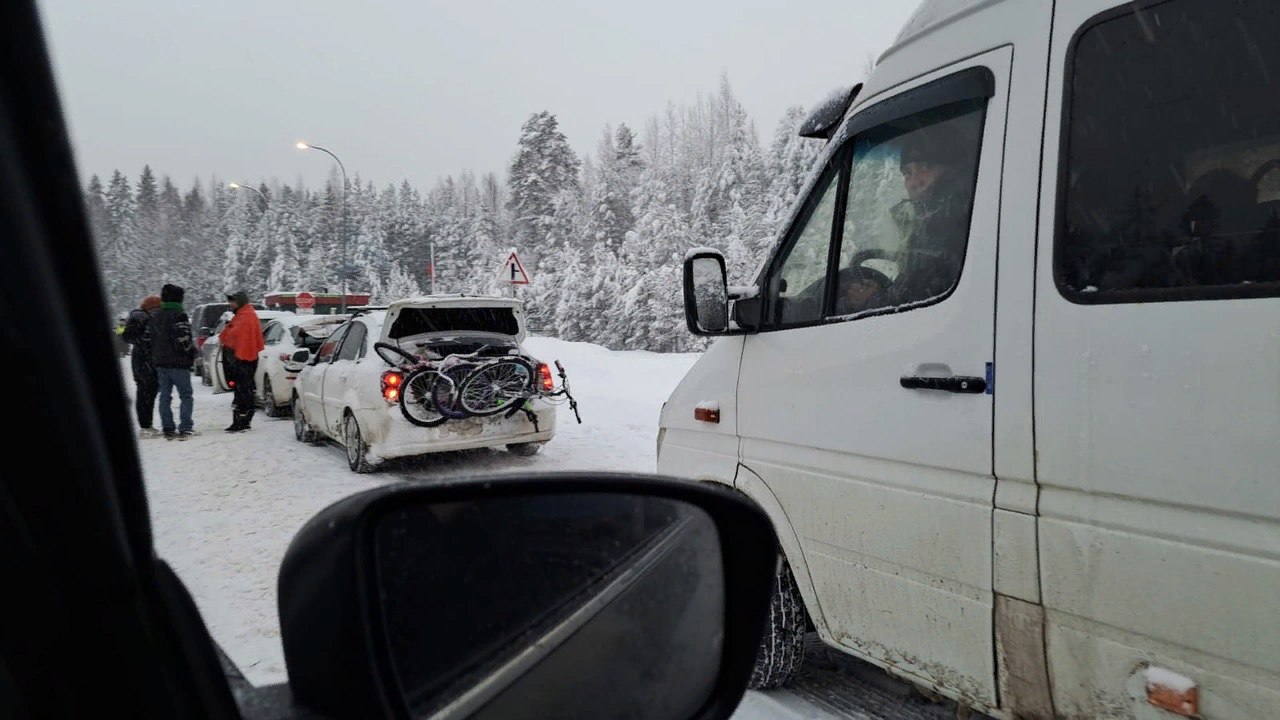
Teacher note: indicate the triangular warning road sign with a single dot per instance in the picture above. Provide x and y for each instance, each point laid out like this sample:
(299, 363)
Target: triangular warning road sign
(513, 271)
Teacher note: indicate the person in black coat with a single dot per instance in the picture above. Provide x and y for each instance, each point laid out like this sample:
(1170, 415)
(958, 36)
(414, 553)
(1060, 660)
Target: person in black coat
(137, 333)
(172, 352)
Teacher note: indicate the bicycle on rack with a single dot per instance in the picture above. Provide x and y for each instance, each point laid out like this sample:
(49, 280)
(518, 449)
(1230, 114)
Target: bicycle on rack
(429, 386)
(501, 386)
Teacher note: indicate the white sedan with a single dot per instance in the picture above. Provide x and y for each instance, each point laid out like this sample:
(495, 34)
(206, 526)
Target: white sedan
(347, 392)
(282, 358)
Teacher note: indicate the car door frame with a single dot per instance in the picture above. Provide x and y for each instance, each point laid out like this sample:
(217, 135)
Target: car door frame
(336, 393)
(313, 378)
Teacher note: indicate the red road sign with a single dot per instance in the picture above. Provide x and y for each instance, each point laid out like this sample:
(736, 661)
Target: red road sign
(305, 300)
(513, 271)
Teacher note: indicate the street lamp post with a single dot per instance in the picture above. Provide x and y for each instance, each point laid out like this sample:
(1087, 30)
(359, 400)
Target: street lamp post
(238, 186)
(343, 222)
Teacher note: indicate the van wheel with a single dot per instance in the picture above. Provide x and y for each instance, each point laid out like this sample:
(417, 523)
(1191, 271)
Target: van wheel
(782, 646)
(269, 407)
(524, 449)
(357, 448)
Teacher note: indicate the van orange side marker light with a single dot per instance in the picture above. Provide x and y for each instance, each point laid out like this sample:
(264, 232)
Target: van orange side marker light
(1170, 691)
(707, 412)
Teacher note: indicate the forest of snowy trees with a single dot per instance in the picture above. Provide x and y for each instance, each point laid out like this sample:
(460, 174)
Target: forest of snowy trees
(602, 236)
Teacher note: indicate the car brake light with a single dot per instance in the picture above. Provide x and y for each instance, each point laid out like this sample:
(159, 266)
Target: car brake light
(544, 374)
(200, 342)
(286, 357)
(391, 380)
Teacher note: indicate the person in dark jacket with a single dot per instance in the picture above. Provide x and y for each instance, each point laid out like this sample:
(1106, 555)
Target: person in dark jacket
(172, 352)
(137, 332)
(242, 338)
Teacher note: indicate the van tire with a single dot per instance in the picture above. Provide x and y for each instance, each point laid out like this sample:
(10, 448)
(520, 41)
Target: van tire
(781, 650)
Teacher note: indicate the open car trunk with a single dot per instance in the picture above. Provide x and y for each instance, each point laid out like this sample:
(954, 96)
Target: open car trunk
(456, 325)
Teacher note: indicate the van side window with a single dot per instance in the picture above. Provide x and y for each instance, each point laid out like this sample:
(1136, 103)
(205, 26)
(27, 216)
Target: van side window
(1170, 172)
(798, 287)
(910, 197)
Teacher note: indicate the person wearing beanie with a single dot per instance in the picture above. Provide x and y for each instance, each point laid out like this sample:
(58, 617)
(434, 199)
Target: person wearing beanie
(137, 334)
(172, 352)
(242, 337)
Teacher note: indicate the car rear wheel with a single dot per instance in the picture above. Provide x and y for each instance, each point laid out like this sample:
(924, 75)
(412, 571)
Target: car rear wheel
(357, 448)
(269, 407)
(302, 431)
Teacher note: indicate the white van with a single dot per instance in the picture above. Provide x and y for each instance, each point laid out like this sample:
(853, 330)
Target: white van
(1009, 383)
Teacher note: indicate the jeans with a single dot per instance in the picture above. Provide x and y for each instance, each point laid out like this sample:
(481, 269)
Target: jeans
(169, 378)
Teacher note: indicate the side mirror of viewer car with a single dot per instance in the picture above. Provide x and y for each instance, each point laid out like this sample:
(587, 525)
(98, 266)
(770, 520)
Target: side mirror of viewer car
(555, 595)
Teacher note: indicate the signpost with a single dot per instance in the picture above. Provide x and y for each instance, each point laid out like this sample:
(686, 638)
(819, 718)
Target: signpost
(513, 272)
(306, 302)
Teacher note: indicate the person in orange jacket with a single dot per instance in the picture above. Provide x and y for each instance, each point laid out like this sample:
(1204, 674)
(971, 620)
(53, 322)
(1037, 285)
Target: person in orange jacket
(242, 337)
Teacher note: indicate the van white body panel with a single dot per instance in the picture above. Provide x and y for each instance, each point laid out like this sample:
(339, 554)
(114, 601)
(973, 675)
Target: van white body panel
(1110, 513)
(692, 448)
(1158, 438)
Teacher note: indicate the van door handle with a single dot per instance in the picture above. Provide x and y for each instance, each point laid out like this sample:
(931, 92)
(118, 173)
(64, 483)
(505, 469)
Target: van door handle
(954, 383)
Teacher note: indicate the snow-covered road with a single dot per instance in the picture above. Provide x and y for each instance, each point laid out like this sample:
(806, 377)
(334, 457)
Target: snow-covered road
(224, 507)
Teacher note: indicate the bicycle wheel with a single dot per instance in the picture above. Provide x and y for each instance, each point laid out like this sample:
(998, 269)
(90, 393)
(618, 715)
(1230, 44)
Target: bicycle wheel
(389, 354)
(494, 387)
(444, 392)
(416, 401)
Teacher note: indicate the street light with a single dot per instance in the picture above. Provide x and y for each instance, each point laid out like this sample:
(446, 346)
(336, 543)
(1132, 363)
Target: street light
(238, 186)
(343, 222)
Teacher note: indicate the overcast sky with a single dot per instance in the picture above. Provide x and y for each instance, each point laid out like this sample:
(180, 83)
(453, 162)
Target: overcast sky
(420, 90)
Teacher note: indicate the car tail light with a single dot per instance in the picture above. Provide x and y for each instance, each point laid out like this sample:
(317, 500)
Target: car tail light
(391, 381)
(544, 376)
(200, 342)
(285, 357)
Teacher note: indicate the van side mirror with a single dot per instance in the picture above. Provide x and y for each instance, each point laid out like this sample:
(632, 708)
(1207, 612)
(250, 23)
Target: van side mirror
(823, 121)
(548, 595)
(706, 293)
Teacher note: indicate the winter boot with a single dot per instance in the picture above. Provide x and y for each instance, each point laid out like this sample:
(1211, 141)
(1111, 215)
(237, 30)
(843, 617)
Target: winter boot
(237, 423)
(246, 418)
